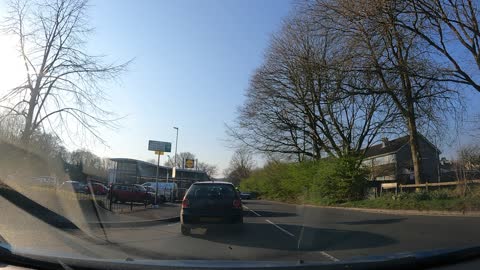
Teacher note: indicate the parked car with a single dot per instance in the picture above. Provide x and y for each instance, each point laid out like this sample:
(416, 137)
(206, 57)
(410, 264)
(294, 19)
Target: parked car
(168, 190)
(160, 197)
(74, 186)
(207, 203)
(129, 193)
(98, 188)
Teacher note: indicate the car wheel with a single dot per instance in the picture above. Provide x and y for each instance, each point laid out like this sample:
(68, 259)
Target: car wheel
(185, 230)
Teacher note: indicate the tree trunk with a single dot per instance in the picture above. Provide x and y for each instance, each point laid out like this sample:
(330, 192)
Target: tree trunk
(415, 149)
(28, 130)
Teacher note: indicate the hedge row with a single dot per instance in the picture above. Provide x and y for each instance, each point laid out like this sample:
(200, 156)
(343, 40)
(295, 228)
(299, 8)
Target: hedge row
(328, 180)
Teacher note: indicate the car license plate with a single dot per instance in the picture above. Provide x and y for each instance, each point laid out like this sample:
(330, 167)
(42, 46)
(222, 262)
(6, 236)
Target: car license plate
(210, 219)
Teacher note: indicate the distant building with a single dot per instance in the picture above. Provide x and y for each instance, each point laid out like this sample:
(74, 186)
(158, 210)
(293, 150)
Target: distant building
(391, 161)
(132, 171)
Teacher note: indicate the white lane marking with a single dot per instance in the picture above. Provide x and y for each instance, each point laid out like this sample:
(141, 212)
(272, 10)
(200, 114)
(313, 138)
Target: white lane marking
(280, 228)
(329, 256)
(257, 214)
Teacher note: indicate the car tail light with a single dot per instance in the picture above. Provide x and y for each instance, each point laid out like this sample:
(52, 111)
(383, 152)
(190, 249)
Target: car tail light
(185, 203)
(237, 204)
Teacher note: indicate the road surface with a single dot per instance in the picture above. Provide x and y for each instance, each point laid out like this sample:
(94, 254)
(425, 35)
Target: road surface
(272, 231)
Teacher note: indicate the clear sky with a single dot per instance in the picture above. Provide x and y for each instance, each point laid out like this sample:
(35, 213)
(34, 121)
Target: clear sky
(193, 60)
(192, 63)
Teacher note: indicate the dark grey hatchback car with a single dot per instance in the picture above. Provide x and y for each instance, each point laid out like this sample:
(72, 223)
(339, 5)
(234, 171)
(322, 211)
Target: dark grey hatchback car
(209, 203)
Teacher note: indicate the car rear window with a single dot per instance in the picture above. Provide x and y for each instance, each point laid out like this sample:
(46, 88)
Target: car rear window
(211, 191)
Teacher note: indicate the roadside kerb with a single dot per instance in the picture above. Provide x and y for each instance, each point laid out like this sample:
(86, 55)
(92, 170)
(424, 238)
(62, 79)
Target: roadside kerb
(139, 223)
(393, 211)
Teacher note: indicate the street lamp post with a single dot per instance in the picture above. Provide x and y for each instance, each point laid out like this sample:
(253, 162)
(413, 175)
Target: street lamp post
(176, 145)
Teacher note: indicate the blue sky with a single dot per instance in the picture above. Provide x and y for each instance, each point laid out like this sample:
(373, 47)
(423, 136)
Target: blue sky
(192, 63)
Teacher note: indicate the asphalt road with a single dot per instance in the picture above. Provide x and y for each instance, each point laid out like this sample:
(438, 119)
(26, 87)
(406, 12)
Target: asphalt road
(272, 231)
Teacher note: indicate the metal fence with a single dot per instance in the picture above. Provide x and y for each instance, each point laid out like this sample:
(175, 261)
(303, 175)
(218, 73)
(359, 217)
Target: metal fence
(122, 198)
(425, 186)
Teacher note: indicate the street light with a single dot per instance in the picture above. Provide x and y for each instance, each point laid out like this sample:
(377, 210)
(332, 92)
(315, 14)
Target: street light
(176, 146)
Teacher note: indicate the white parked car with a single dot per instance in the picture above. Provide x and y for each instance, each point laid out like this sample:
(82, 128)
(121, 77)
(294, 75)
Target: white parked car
(168, 190)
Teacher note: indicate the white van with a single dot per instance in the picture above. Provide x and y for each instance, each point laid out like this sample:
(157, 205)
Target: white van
(168, 190)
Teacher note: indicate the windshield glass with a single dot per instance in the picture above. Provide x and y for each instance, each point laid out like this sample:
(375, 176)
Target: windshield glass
(273, 130)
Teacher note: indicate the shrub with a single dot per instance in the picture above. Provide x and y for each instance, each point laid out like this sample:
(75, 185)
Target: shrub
(325, 181)
(441, 194)
(341, 179)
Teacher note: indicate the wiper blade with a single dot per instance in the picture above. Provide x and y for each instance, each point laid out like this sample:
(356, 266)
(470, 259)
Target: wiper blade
(397, 261)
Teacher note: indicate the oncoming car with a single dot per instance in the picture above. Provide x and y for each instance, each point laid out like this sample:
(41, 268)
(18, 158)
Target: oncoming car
(207, 203)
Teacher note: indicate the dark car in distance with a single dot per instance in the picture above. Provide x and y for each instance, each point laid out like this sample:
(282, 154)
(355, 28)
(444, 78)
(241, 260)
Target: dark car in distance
(208, 203)
(245, 195)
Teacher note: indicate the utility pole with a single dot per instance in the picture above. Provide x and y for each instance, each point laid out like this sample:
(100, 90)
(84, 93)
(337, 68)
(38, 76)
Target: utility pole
(156, 179)
(176, 146)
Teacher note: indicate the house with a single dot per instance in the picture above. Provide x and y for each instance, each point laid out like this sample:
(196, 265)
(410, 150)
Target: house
(391, 161)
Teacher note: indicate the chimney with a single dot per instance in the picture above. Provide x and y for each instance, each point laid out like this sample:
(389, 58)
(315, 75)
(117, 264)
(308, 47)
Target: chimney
(384, 142)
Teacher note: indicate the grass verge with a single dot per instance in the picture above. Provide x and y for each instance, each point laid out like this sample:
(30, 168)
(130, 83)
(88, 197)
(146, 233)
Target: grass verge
(438, 200)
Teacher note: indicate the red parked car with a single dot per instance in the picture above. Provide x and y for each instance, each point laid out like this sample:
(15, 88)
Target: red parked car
(98, 189)
(129, 193)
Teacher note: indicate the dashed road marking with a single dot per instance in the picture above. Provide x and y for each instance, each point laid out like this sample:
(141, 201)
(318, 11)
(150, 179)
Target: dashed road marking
(329, 256)
(280, 228)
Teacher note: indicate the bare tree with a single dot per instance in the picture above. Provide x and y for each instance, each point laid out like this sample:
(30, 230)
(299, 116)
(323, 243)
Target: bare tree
(297, 103)
(392, 57)
(241, 165)
(62, 89)
(90, 163)
(210, 170)
(469, 156)
(452, 29)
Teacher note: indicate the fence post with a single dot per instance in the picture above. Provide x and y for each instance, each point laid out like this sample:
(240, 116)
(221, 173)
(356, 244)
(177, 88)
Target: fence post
(131, 205)
(426, 185)
(110, 196)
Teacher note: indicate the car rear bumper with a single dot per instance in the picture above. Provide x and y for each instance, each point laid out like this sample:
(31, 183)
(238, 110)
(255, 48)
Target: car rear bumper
(188, 217)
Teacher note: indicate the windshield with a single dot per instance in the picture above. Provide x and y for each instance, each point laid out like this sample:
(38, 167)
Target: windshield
(253, 131)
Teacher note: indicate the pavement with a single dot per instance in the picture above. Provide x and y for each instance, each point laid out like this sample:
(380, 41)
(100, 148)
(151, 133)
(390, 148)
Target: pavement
(272, 231)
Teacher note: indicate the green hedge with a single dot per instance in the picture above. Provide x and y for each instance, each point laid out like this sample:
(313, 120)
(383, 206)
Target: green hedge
(328, 181)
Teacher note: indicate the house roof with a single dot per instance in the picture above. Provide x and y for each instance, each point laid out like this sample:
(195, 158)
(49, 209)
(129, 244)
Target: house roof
(392, 146)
